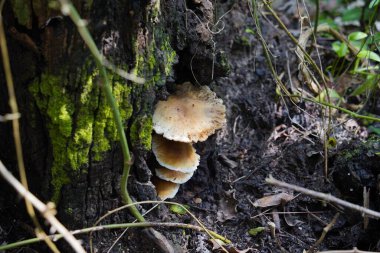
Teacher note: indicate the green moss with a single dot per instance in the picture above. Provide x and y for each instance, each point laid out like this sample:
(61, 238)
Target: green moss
(170, 57)
(155, 64)
(79, 125)
(22, 9)
(105, 130)
(80, 143)
(368, 147)
(53, 101)
(69, 211)
(141, 132)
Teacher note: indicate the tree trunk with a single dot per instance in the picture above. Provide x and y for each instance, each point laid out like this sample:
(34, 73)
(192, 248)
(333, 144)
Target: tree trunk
(69, 137)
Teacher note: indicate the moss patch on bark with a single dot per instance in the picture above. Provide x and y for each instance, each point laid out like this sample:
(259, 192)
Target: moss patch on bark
(79, 126)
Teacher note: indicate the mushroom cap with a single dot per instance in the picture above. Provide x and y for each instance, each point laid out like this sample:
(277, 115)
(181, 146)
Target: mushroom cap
(173, 176)
(165, 189)
(175, 155)
(192, 114)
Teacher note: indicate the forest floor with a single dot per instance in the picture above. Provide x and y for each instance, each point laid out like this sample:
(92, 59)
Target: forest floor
(266, 135)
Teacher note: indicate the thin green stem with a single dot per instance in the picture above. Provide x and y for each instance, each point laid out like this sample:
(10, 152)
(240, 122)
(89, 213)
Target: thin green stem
(68, 8)
(254, 14)
(351, 113)
(295, 41)
(116, 226)
(316, 16)
(158, 202)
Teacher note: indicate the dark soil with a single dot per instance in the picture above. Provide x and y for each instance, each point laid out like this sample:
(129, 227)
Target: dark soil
(266, 137)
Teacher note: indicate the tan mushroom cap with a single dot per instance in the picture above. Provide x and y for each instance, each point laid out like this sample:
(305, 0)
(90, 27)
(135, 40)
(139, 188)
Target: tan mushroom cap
(165, 189)
(174, 155)
(192, 114)
(173, 176)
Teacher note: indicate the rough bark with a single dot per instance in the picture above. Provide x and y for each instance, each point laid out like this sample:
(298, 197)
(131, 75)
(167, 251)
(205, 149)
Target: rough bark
(69, 138)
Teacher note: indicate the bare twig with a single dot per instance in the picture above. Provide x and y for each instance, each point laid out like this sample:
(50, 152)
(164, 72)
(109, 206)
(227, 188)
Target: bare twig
(16, 131)
(47, 211)
(212, 234)
(104, 227)
(9, 117)
(324, 196)
(366, 205)
(254, 13)
(354, 250)
(351, 113)
(324, 233)
(125, 230)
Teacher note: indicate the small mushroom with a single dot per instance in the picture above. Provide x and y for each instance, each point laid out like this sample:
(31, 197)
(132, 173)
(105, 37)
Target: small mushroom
(174, 155)
(190, 115)
(165, 189)
(173, 176)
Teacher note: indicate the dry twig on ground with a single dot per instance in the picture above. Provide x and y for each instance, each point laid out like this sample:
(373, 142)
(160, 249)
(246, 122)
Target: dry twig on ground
(324, 196)
(354, 250)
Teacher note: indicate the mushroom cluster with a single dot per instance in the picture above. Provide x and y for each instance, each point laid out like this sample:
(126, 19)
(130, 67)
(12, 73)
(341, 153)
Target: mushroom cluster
(190, 115)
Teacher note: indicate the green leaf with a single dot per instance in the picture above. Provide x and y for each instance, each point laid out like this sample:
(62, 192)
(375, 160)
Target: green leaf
(352, 14)
(373, 3)
(376, 37)
(329, 21)
(250, 31)
(375, 130)
(331, 142)
(357, 36)
(365, 54)
(256, 231)
(178, 209)
(340, 49)
(369, 84)
(333, 94)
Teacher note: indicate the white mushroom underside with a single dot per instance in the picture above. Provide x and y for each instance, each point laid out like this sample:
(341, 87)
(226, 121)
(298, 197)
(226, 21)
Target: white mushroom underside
(173, 176)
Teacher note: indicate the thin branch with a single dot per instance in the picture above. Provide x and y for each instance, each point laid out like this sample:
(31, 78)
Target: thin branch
(212, 234)
(316, 16)
(16, 130)
(254, 13)
(351, 113)
(47, 211)
(9, 117)
(125, 231)
(324, 196)
(324, 233)
(354, 250)
(104, 227)
(307, 56)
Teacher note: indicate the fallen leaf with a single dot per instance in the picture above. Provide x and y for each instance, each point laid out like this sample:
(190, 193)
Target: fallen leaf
(217, 243)
(178, 209)
(256, 231)
(227, 207)
(273, 200)
(228, 162)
